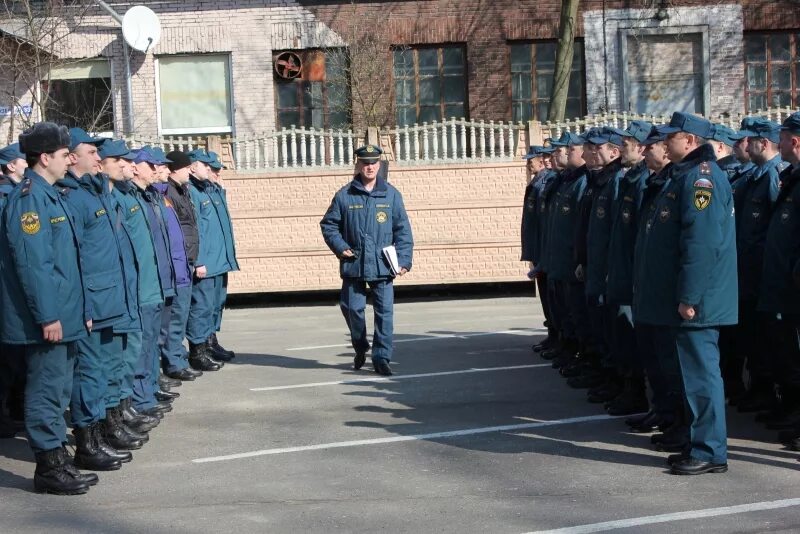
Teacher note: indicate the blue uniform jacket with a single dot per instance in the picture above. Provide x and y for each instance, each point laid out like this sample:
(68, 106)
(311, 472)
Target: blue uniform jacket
(152, 204)
(754, 196)
(688, 254)
(213, 251)
(730, 166)
(544, 207)
(220, 200)
(528, 232)
(561, 243)
(177, 245)
(598, 236)
(624, 219)
(40, 263)
(99, 185)
(138, 230)
(779, 292)
(102, 271)
(580, 250)
(366, 222)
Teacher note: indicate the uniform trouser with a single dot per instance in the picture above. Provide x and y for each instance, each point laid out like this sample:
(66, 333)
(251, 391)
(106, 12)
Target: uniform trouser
(749, 349)
(784, 348)
(623, 340)
(47, 393)
(698, 352)
(556, 301)
(222, 296)
(205, 294)
(596, 342)
(115, 371)
(578, 311)
(541, 286)
(12, 370)
(658, 355)
(90, 379)
(353, 301)
(173, 330)
(131, 352)
(144, 382)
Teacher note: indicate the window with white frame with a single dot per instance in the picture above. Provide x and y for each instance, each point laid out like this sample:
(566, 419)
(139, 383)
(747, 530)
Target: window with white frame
(195, 94)
(79, 95)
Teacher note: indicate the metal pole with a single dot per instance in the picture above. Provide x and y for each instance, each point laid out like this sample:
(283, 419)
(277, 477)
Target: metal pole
(128, 77)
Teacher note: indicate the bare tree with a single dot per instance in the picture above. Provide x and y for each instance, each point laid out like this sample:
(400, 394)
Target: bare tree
(566, 50)
(32, 37)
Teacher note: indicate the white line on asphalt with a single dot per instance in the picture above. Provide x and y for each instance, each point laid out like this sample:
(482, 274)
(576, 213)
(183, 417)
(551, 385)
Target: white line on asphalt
(401, 377)
(396, 439)
(667, 518)
(431, 337)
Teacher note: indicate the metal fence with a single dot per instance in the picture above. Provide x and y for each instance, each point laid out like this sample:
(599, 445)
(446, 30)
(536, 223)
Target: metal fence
(453, 141)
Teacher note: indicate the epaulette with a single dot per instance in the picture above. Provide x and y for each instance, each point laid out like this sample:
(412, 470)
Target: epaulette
(64, 191)
(26, 187)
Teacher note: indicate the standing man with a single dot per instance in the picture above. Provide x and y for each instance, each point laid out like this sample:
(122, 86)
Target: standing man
(689, 283)
(43, 302)
(364, 218)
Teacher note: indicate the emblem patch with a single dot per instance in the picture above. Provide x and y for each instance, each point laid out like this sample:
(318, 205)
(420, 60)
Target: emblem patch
(756, 214)
(705, 183)
(785, 216)
(664, 214)
(565, 210)
(30, 222)
(702, 199)
(381, 217)
(626, 215)
(601, 212)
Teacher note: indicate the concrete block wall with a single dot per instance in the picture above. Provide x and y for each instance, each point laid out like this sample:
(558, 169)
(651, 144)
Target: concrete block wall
(465, 219)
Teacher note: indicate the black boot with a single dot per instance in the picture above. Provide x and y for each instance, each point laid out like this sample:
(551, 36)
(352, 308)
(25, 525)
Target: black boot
(220, 350)
(632, 400)
(136, 421)
(53, 476)
(200, 358)
(88, 455)
(123, 456)
(115, 435)
(69, 462)
(166, 383)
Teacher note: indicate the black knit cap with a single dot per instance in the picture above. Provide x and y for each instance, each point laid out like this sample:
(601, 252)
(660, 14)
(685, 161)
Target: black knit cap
(178, 160)
(43, 138)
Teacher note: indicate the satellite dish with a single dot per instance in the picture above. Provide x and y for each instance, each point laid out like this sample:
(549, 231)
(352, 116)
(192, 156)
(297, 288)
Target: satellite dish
(141, 28)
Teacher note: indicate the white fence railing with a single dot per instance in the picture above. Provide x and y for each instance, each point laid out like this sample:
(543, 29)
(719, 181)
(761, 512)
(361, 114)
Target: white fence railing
(452, 141)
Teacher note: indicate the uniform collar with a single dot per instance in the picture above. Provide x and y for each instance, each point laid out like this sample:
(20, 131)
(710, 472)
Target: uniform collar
(761, 170)
(379, 189)
(36, 178)
(608, 172)
(635, 172)
(701, 154)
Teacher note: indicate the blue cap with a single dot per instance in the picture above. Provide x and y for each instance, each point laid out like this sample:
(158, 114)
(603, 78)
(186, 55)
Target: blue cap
(607, 134)
(691, 124)
(568, 139)
(10, 153)
(535, 151)
(215, 164)
(656, 135)
(157, 154)
(79, 135)
(792, 123)
(744, 129)
(198, 154)
(639, 130)
(723, 134)
(112, 148)
(141, 155)
(765, 129)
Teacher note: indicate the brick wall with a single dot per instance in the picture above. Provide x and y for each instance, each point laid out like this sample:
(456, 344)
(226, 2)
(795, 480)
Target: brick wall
(466, 222)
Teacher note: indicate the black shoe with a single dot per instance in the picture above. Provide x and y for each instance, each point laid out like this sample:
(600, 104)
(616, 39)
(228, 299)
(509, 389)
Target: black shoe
(88, 455)
(123, 456)
(90, 478)
(166, 383)
(693, 466)
(548, 354)
(154, 413)
(187, 375)
(543, 345)
(756, 401)
(382, 368)
(219, 349)
(200, 358)
(789, 421)
(649, 425)
(166, 396)
(672, 459)
(794, 444)
(788, 436)
(137, 421)
(219, 355)
(359, 360)
(162, 407)
(628, 405)
(635, 420)
(586, 381)
(144, 437)
(54, 476)
(7, 429)
(114, 433)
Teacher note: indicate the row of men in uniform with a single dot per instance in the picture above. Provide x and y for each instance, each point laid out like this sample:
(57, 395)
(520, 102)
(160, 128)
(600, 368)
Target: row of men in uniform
(649, 244)
(109, 259)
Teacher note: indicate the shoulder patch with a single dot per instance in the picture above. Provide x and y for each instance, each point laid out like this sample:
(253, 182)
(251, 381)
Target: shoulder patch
(30, 222)
(704, 183)
(702, 199)
(100, 213)
(26, 187)
(705, 168)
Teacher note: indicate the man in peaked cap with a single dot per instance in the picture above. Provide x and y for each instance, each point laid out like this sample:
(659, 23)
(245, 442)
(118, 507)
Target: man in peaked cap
(43, 306)
(722, 139)
(689, 282)
(365, 217)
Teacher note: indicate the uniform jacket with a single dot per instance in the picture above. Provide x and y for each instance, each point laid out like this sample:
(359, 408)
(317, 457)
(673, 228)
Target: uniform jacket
(779, 292)
(753, 196)
(213, 251)
(177, 245)
(544, 203)
(598, 235)
(688, 254)
(178, 195)
(99, 253)
(366, 222)
(580, 251)
(220, 200)
(138, 228)
(730, 166)
(624, 219)
(561, 243)
(530, 222)
(40, 262)
(152, 204)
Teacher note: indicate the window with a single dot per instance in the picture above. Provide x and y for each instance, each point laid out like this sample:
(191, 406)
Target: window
(430, 84)
(194, 94)
(532, 72)
(772, 65)
(79, 94)
(318, 97)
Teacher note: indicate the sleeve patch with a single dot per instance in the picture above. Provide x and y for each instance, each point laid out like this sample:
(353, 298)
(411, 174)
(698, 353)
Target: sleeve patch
(30, 222)
(702, 199)
(704, 183)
